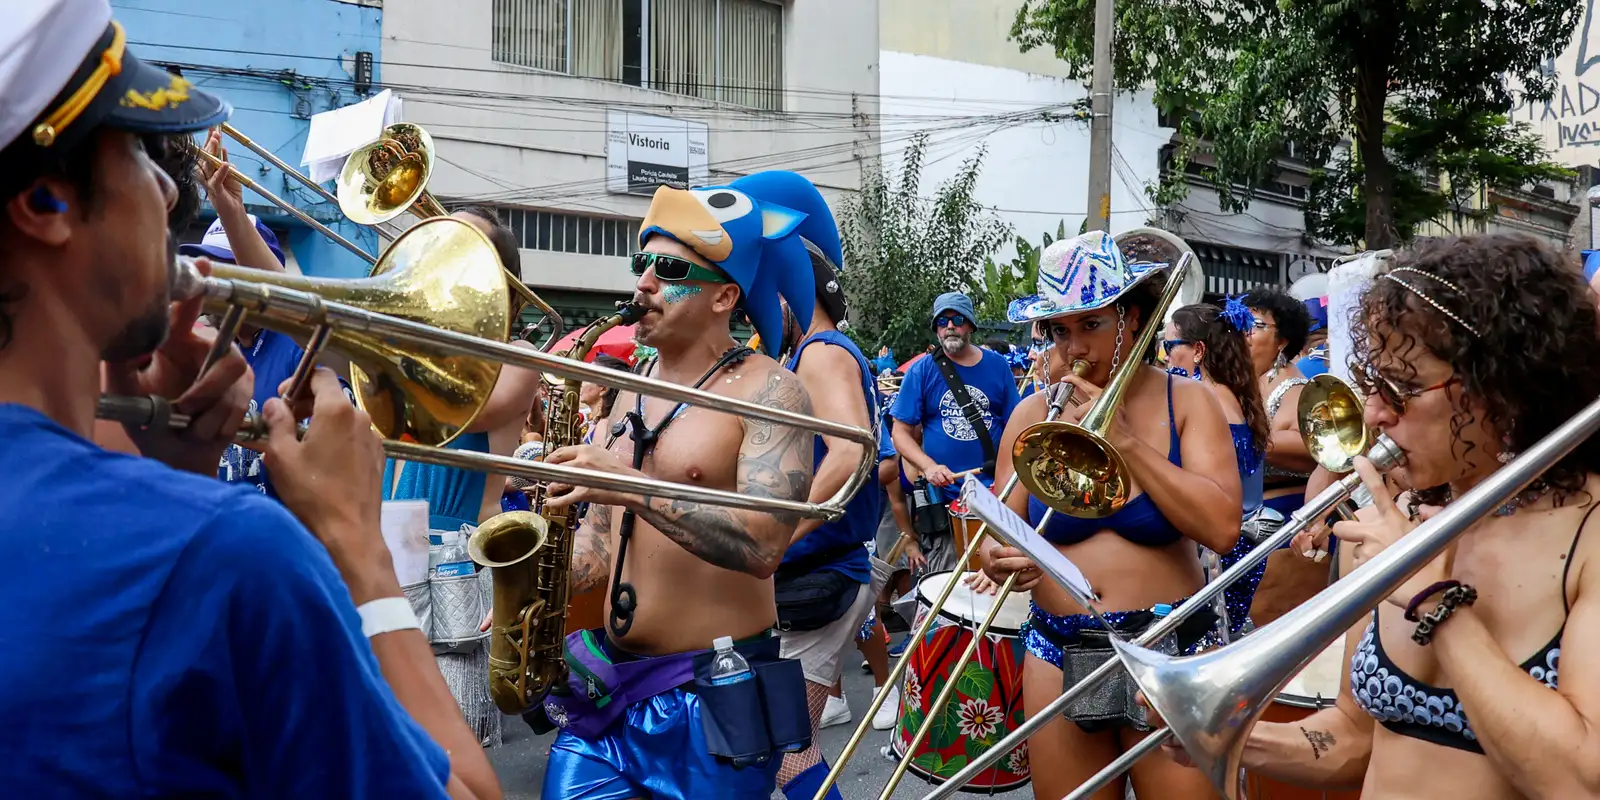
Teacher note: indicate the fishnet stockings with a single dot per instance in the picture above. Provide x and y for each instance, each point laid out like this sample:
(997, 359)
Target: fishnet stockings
(796, 763)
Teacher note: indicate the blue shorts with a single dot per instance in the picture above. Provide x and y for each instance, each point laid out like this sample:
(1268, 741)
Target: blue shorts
(658, 751)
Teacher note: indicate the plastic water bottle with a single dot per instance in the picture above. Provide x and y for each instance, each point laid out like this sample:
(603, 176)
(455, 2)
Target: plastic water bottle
(453, 559)
(728, 666)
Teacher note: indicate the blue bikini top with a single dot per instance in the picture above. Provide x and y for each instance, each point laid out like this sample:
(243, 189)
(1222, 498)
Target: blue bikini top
(1139, 521)
(1432, 714)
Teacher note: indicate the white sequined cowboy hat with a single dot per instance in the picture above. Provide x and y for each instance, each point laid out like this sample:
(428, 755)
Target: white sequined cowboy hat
(1084, 273)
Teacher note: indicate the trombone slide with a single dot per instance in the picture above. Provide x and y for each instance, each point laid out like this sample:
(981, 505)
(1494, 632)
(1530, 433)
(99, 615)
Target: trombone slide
(1384, 455)
(289, 208)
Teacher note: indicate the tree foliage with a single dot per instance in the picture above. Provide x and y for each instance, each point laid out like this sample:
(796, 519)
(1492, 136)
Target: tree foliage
(902, 251)
(1418, 86)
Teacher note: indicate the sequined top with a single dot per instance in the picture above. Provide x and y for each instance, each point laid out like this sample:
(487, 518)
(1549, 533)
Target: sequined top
(1412, 708)
(1274, 400)
(1251, 459)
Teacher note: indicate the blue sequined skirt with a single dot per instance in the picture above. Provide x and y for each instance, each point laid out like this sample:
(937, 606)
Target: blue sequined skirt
(1043, 631)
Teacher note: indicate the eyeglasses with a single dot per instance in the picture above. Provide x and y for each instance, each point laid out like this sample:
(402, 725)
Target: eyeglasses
(1260, 325)
(1374, 382)
(1168, 345)
(673, 268)
(954, 319)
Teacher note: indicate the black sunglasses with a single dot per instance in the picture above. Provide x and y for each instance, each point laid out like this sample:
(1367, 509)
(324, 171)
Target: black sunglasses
(673, 268)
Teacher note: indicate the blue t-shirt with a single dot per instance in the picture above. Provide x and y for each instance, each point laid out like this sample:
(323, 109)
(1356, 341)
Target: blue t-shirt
(164, 634)
(859, 524)
(947, 437)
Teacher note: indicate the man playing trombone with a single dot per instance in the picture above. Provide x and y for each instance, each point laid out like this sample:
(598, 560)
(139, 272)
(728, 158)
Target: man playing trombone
(167, 634)
(1469, 351)
(690, 723)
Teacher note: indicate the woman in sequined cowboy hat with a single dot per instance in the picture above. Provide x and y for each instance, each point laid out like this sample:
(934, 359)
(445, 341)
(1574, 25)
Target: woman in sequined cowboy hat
(1469, 350)
(1143, 559)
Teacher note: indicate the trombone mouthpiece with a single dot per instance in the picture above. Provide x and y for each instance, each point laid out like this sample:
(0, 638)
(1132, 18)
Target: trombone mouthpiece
(1385, 454)
(1080, 368)
(186, 281)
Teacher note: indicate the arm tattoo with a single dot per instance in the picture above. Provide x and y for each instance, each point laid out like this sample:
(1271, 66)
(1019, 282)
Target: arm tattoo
(774, 461)
(1321, 741)
(591, 552)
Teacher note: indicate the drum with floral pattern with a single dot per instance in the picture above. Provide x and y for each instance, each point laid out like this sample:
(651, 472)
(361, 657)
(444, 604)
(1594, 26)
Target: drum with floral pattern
(987, 701)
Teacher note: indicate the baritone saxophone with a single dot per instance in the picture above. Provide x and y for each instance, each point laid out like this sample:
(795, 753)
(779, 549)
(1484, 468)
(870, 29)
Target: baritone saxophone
(530, 556)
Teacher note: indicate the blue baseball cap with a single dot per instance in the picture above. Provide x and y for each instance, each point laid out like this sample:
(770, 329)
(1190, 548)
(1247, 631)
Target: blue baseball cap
(957, 302)
(215, 245)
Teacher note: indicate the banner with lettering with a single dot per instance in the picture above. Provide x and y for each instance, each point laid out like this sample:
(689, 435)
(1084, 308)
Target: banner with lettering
(644, 152)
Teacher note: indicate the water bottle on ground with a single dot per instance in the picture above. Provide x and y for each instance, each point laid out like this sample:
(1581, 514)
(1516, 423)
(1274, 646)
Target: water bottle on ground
(728, 666)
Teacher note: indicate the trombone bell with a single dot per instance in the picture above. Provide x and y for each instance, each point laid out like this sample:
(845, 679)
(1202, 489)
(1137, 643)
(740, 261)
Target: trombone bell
(1332, 423)
(386, 178)
(1066, 466)
(443, 273)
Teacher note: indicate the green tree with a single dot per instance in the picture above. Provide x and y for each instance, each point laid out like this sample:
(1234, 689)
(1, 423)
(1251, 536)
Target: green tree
(1421, 87)
(903, 250)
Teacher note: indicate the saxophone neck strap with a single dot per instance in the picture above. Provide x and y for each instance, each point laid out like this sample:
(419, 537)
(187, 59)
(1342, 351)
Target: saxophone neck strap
(624, 600)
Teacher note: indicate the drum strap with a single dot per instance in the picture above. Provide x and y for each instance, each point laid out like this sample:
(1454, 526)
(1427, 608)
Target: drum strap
(624, 600)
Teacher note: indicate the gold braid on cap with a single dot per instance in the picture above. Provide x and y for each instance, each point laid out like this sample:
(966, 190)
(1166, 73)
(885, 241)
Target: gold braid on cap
(1390, 275)
(46, 132)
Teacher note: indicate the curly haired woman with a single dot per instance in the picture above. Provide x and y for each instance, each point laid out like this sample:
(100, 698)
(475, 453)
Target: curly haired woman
(1469, 350)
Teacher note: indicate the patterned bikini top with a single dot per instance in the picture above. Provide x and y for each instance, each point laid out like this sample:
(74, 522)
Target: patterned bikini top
(1412, 708)
(1274, 401)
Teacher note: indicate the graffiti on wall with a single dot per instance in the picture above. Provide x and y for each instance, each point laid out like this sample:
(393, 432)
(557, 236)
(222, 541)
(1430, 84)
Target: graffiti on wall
(1570, 120)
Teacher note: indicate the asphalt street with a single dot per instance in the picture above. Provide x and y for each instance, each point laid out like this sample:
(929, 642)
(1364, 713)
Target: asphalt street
(520, 761)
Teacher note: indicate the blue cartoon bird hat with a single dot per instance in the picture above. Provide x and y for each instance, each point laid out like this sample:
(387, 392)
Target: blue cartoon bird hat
(819, 231)
(753, 241)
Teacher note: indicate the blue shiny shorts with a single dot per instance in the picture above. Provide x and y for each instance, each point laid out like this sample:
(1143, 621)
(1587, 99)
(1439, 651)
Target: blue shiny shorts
(658, 750)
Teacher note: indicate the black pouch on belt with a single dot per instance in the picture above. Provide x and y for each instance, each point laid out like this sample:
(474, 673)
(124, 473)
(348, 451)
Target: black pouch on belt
(749, 722)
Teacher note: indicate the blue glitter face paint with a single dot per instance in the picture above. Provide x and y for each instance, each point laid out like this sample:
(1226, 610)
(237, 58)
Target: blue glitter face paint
(678, 292)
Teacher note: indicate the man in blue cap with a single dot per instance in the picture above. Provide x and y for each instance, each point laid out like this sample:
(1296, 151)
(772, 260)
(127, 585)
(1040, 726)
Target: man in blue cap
(182, 637)
(952, 408)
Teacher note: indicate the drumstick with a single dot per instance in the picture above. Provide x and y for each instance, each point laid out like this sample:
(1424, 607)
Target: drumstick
(899, 547)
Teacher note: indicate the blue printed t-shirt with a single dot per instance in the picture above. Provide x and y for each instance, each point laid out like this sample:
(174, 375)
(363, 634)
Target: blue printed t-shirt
(947, 437)
(164, 634)
(272, 357)
(844, 537)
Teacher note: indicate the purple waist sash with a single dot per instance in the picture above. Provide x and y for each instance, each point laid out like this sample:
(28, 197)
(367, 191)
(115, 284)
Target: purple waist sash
(599, 691)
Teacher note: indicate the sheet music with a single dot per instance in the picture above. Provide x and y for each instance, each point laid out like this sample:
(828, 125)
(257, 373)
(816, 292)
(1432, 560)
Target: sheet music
(336, 134)
(1015, 531)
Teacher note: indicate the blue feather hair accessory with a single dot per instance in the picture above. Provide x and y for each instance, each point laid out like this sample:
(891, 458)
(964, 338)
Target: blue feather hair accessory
(1019, 358)
(1238, 315)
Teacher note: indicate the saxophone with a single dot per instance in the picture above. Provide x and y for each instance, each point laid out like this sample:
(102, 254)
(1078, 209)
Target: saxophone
(530, 555)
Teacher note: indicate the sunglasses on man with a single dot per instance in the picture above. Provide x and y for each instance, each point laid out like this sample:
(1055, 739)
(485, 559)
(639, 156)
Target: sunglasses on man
(673, 268)
(954, 319)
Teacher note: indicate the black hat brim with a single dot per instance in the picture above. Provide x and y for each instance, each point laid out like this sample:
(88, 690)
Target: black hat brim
(147, 99)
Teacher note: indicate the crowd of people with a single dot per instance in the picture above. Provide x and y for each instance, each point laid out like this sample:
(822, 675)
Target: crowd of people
(234, 624)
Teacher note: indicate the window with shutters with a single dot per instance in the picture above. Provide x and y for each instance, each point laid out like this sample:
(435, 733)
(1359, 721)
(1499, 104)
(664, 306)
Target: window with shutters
(729, 51)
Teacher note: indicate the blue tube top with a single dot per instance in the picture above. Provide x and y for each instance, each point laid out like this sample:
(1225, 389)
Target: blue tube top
(1139, 521)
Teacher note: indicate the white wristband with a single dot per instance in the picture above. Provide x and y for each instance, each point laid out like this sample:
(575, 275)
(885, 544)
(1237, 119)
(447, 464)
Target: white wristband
(387, 614)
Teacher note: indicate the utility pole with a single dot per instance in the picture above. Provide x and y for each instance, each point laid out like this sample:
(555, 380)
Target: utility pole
(1100, 124)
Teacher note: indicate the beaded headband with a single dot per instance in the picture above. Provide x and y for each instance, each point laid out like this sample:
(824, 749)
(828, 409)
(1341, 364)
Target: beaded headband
(1429, 300)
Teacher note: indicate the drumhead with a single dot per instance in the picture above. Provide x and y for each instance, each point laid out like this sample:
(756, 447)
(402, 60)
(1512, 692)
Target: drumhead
(1317, 685)
(967, 606)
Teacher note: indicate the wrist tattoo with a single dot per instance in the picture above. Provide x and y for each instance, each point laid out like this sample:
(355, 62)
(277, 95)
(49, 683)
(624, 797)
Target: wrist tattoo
(1321, 741)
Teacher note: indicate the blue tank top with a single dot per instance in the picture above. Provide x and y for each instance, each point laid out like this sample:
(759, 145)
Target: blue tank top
(838, 545)
(454, 495)
(1251, 475)
(1139, 521)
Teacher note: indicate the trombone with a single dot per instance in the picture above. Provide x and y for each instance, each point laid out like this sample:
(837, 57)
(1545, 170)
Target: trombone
(1211, 701)
(379, 181)
(1332, 451)
(423, 383)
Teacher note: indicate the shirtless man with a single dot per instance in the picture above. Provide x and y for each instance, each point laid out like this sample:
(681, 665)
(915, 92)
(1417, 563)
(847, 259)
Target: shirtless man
(698, 572)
